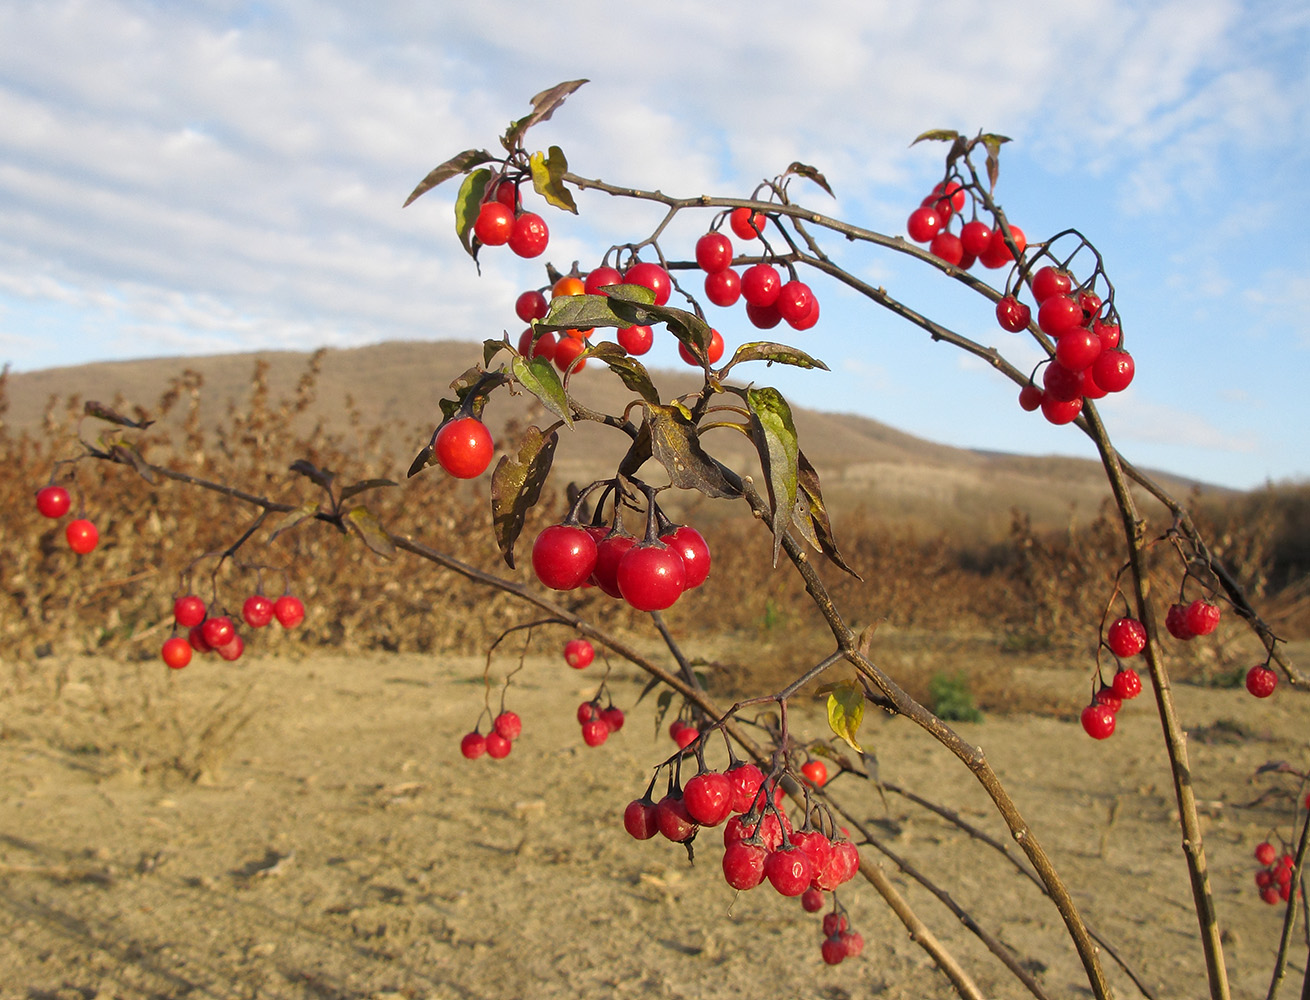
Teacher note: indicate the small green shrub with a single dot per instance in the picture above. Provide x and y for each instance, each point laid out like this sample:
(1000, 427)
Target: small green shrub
(951, 698)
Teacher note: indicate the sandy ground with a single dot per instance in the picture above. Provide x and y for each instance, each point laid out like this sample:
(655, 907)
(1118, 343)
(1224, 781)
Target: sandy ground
(338, 846)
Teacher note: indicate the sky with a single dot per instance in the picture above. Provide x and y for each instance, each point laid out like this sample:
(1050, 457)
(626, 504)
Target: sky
(223, 176)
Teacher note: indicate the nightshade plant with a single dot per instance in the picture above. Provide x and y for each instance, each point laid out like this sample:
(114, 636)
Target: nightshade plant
(765, 253)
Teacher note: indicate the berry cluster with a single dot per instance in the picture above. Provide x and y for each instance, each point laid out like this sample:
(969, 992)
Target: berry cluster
(683, 733)
(649, 575)
(54, 502)
(1274, 880)
(1187, 621)
(218, 633)
(760, 842)
(976, 242)
(501, 220)
(1088, 362)
(1126, 637)
(505, 729)
(598, 723)
(769, 299)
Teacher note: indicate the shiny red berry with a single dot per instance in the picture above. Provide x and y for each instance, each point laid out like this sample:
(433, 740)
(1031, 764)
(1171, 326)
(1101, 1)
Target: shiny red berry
(188, 610)
(464, 447)
(1127, 684)
(494, 225)
(82, 536)
(176, 652)
(473, 745)
(289, 611)
(530, 236)
(1126, 637)
(53, 501)
(578, 653)
(1098, 721)
(563, 556)
(714, 252)
(652, 577)
(1261, 681)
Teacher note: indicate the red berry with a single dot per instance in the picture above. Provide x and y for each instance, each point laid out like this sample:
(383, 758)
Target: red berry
(1062, 384)
(613, 718)
(595, 732)
(1127, 685)
(531, 305)
(833, 950)
(1261, 681)
(610, 551)
(763, 317)
(708, 797)
(529, 238)
(217, 631)
(684, 735)
(188, 610)
(816, 771)
(673, 820)
(1061, 411)
(789, 870)
(746, 780)
(712, 355)
(578, 653)
(746, 225)
(1049, 281)
(810, 318)
(760, 285)
(1090, 303)
(497, 746)
(975, 237)
(635, 339)
(53, 501)
(997, 254)
(1030, 397)
(723, 288)
(695, 551)
(1109, 334)
(494, 225)
(196, 639)
(1265, 853)
(1058, 315)
(816, 845)
(948, 247)
(507, 193)
(566, 351)
(541, 347)
(232, 649)
(1106, 696)
(587, 711)
(811, 900)
(257, 611)
(743, 865)
(289, 611)
(473, 745)
(652, 577)
(601, 277)
(1126, 637)
(923, 224)
(843, 866)
(1114, 370)
(1202, 617)
(650, 276)
(833, 924)
(714, 252)
(947, 197)
(1098, 721)
(1270, 895)
(176, 652)
(508, 725)
(1012, 314)
(639, 819)
(853, 942)
(793, 301)
(1077, 349)
(1175, 622)
(563, 556)
(82, 536)
(463, 447)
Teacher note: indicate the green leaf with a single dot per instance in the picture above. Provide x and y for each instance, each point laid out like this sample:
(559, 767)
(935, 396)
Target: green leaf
(548, 172)
(631, 371)
(370, 530)
(845, 712)
(781, 354)
(543, 106)
(293, 517)
(539, 378)
(674, 444)
(809, 173)
(516, 486)
(937, 135)
(467, 205)
(774, 434)
(457, 164)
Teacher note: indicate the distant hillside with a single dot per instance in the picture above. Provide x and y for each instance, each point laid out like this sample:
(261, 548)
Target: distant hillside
(862, 463)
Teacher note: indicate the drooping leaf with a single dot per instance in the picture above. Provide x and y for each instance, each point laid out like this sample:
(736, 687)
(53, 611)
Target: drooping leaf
(516, 485)
(99, 410)
(809, 173)
(548, 170)
(639, 452)
(993, 143)
(631, 371)
(674, 444)
(845, 712)
(320, 477)
(370, 530)
(543, 106)
(774, 434)
(354, 489)
(467, 205)
(539, 378)
(457, 164)
(421, 461)
(937, 135)
(293, 517)
(490, 348)
(812, 516)
(122, 451)
(773, 353)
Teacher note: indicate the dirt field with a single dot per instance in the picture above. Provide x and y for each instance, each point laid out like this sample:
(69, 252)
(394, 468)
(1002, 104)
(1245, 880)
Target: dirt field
(338, 846)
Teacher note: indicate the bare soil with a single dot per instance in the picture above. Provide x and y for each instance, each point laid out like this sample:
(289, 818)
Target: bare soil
(336, 845)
